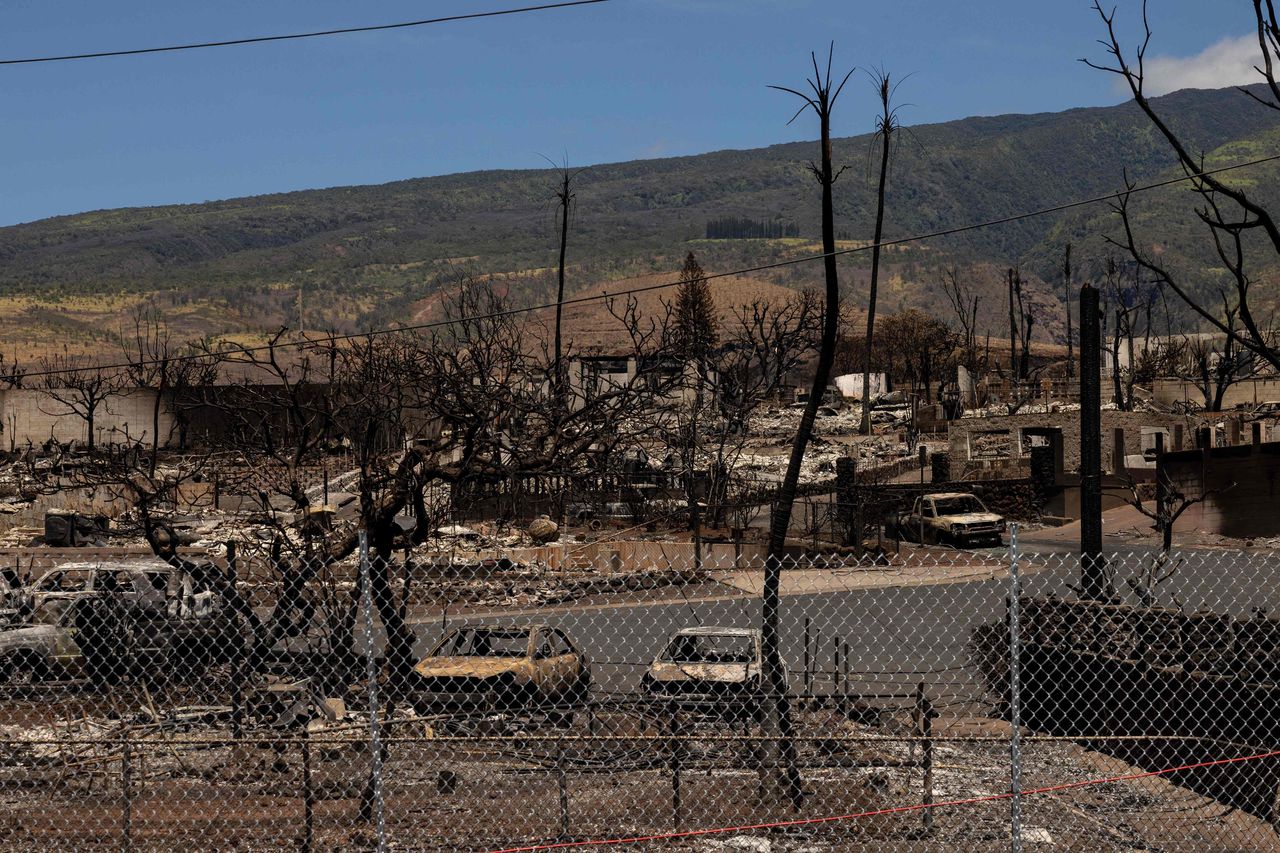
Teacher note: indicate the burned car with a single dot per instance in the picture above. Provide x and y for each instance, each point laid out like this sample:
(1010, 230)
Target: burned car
(30, 653)
(142, 584)
(950, 518)
(502, 668)
(712, 669)
(113, 619)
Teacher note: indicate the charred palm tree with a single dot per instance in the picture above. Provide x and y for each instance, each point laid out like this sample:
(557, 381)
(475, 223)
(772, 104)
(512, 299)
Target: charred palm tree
(780, 778)
(886, 126)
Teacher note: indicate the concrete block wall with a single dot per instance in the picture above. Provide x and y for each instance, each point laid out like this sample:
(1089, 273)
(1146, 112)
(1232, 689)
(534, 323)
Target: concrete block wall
(1246, 393)
(961, 433)
(33, 415)
(1242, 485)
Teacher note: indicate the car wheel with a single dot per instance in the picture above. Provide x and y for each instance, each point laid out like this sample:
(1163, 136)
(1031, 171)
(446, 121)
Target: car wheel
(510, 698)
(20, 670)
(580, 692)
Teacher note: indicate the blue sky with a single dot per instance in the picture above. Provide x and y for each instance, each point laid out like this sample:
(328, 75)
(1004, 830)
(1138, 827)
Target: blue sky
(616, 81)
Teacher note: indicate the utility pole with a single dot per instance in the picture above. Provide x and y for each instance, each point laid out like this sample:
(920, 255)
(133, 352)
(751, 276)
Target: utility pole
(1013, 333)
(1066, 286)
(564, 200)
(1092, 567)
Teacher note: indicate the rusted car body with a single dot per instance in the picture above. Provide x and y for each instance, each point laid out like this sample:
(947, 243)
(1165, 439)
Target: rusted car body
(709, 669)
(109, 619)
(38, 652)
(502, 668)
(951, 518)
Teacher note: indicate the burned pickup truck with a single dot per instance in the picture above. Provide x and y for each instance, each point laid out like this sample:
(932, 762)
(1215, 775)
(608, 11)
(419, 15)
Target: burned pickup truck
(714, 670)
(949, 518)
(502, 669)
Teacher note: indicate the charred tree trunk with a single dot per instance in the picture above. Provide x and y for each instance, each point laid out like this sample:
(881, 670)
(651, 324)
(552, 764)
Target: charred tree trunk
(887, 125)
(780, 776)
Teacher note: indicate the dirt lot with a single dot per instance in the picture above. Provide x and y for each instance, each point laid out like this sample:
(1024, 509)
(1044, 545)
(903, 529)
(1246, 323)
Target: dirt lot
(192, 787)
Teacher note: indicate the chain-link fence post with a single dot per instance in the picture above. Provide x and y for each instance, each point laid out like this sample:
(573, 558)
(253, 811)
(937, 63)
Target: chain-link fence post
(925, 715)
(238, 647)
(676, 807)
(1015, 698)
(126, 795)
(562, 784)
(371, 676)
(308, 796)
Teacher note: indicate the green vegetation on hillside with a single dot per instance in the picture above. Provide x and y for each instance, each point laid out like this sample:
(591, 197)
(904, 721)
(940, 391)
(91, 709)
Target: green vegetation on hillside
(365, 255)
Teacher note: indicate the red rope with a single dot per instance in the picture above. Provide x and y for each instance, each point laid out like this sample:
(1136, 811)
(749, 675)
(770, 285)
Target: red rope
(601, 842)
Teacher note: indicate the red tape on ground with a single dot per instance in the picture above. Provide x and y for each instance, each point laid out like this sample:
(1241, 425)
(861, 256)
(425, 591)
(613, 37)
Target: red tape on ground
(692, 833)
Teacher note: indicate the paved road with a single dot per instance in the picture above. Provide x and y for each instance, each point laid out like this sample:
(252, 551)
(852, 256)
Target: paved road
(897, 636)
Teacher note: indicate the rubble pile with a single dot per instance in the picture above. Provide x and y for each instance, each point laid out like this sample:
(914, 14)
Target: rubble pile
(782, 423)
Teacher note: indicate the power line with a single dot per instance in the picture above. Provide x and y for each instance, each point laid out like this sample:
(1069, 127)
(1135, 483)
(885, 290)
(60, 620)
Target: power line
(435, 324)
(295, 36)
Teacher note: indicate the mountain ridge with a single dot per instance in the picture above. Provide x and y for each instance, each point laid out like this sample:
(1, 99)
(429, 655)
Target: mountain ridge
(369, 251)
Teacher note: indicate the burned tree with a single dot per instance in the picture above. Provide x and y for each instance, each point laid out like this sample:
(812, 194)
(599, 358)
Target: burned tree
(886, 127)
(1214, 362)
(1021, 323)
(1123, 302)
(964, 305)
(1242, 232)
(80, 389)
(783, 783)
(175, 373)
(1165, 507)
(764, 341)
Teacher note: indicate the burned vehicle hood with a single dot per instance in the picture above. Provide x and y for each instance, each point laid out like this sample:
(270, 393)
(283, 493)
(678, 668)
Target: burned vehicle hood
(471, 667)
(971, 518)
(722, 673)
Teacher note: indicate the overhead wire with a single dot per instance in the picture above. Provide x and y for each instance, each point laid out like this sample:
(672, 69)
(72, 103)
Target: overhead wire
(400, 25)
(329, 340)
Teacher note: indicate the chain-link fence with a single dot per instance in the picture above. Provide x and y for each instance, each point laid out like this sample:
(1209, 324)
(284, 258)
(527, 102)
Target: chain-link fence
(628, 694)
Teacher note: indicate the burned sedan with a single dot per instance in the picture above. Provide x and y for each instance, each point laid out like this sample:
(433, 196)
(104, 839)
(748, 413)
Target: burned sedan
(711, 669)
(502, 668)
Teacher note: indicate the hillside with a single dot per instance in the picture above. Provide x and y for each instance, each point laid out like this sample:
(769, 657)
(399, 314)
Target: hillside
(367, 255)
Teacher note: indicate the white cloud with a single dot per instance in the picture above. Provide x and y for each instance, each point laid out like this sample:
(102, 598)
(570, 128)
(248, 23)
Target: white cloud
(1228, 62)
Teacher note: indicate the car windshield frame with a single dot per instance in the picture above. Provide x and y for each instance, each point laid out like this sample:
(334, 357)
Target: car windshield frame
(710, 649)
(958, 506)
(53, 582)
(464, 642)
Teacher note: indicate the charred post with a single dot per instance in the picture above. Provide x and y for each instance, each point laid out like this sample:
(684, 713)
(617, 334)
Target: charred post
(1092, 569)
